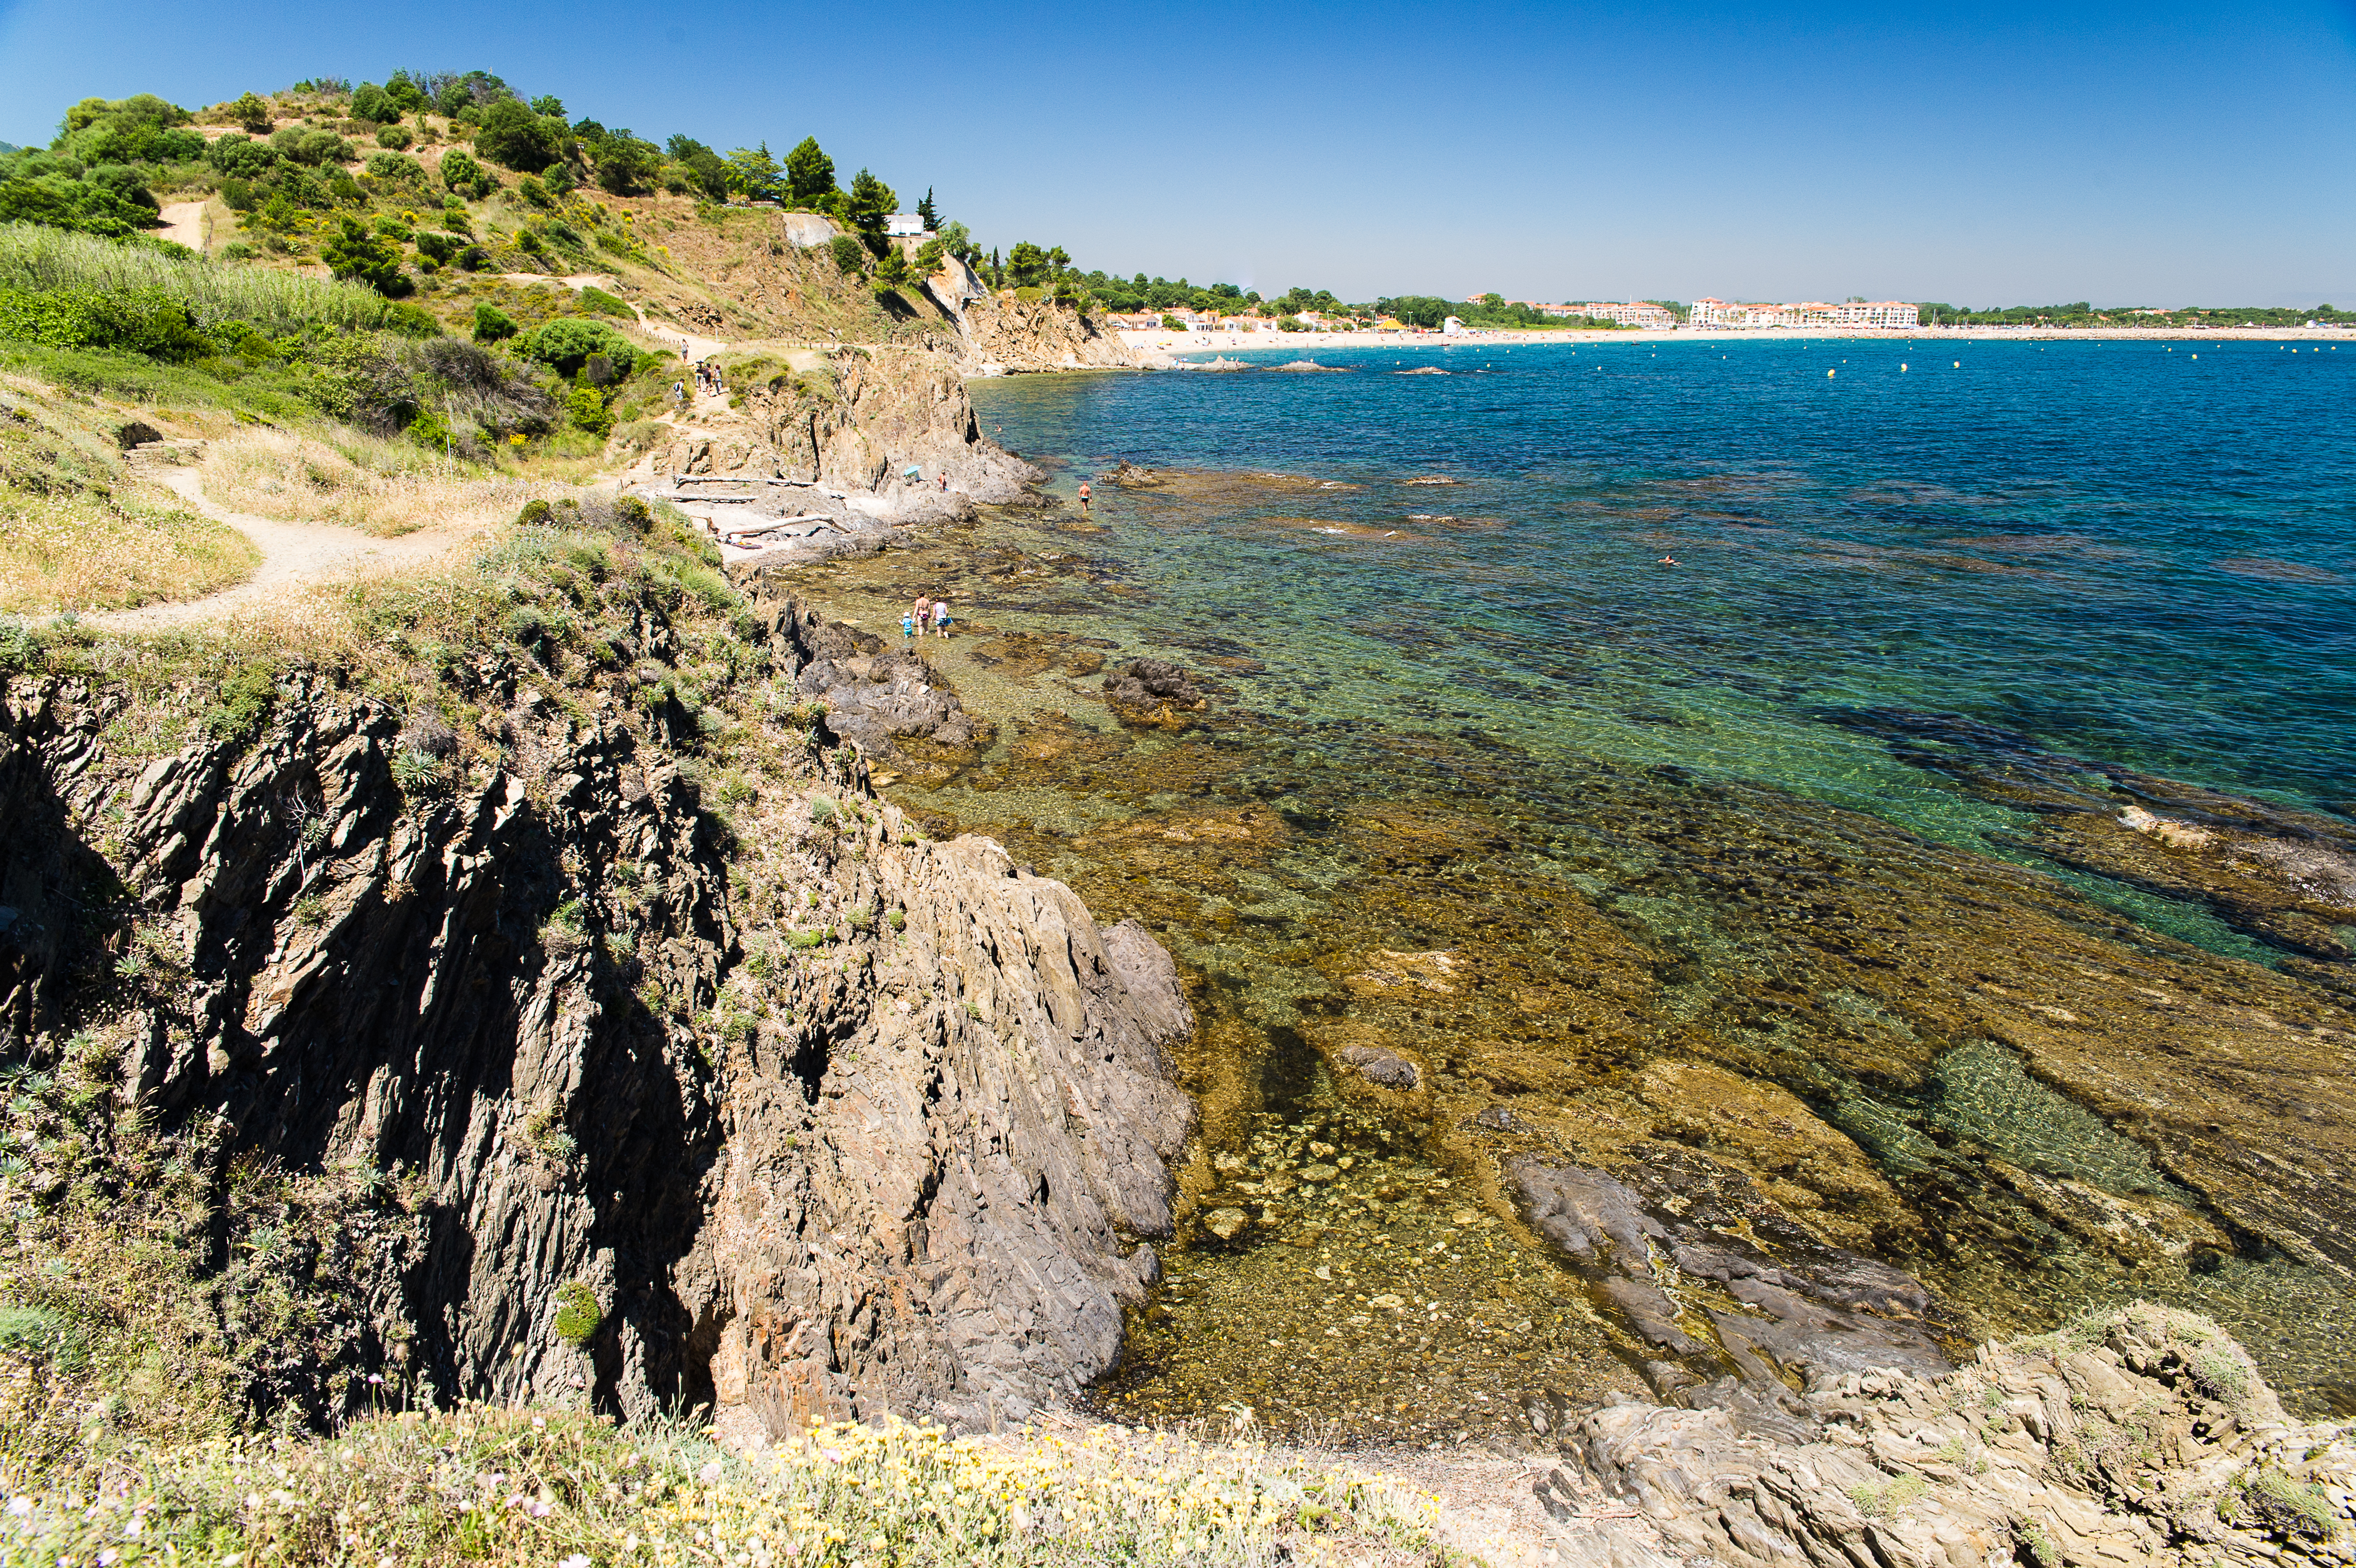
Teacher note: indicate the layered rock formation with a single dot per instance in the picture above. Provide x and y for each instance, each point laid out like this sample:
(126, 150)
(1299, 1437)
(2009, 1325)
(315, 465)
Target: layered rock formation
(851, 418)
(1005, 335)
(826, 1118)
(2147, 1437)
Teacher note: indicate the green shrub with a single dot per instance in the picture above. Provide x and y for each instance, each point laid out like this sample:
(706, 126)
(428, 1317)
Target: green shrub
(587, 410)
(514, 138)
(578, 1316)
(241, 157)
(603, 304)
(244, 707)
(568, 343)
(850, 256)
(140, 321)
(464, 176)
(395, 137)
(491, 323)
(392, 168)
(370, 101)
(357, 254)
(442, 248)
(253, 112)
(57, 202)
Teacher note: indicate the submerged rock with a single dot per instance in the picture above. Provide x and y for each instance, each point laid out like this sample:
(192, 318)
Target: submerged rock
(1818, 1311)
(1377, 1064)
(1149, 693)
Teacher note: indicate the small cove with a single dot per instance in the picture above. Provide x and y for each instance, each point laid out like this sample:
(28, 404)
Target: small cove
(1712, 869)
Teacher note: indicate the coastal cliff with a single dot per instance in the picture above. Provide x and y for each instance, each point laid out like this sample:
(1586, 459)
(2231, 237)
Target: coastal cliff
(854, 419)
(587, 1031)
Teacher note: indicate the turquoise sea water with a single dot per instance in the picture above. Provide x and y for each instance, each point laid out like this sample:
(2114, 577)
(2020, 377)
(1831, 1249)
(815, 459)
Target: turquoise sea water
(1461, 704)
(2117, 550)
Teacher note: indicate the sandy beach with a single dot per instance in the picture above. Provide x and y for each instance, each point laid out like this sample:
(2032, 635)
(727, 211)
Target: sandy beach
(1304, 345)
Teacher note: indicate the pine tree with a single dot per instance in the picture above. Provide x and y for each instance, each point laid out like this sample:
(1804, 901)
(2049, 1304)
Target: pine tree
(928, 213)
(809, 173)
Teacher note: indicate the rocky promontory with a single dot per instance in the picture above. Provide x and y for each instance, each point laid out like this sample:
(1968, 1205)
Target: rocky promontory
(581, 1028)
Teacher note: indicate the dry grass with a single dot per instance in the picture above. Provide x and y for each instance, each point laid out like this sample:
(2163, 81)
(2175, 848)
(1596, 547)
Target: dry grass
(84, 554)
(78, 533)
(385, 488)
(518, 1487)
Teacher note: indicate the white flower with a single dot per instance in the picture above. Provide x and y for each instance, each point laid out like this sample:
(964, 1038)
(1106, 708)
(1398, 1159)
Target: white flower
(710, 1473)
(20, 1506)
(576, 1561)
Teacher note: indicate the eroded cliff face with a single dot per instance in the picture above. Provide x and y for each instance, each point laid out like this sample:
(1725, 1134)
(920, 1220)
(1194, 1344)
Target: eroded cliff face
(1005, 334)
(851, 418)
(827, 1118)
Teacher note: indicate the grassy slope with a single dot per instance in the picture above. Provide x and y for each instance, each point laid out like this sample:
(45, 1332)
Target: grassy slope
(77, 531)
(98, 540)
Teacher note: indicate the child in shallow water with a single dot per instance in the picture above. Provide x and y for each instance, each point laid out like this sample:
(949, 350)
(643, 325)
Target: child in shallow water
(907, 627)
(940, 617)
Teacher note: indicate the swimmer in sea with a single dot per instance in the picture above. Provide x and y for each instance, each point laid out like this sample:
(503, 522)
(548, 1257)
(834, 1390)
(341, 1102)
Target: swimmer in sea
(1668, 560)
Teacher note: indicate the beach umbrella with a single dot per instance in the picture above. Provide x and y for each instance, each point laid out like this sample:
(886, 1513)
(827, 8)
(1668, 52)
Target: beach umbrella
(912, 472)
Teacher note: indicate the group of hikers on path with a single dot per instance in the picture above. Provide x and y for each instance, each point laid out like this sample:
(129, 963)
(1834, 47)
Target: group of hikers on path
(927, 612)
(707, 383)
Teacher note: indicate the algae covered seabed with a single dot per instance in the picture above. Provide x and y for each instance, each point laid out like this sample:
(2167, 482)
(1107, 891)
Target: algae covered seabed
(1731, 888)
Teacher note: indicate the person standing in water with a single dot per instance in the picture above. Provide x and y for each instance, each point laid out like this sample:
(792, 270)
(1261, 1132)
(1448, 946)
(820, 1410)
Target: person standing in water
(1084, 495)
(924, 613)
(941, 618)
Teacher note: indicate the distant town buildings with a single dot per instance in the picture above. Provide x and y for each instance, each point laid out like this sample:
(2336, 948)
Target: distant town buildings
(1811, 313)
(1634, 313)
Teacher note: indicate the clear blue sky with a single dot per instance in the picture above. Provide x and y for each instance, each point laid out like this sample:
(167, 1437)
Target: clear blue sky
(2166, 154)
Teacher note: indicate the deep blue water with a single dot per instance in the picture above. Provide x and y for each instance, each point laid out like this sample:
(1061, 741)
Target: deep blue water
(2138, 553)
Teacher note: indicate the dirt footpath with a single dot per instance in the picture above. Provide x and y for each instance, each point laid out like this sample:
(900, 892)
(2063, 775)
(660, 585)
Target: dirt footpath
(295, 557)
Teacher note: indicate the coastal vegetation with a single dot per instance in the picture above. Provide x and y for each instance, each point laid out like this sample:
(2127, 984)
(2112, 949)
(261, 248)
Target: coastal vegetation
(2082, 313)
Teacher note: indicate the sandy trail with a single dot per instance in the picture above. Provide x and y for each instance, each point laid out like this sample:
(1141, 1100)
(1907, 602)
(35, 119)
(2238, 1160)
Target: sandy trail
(295, 556)
(184, 223)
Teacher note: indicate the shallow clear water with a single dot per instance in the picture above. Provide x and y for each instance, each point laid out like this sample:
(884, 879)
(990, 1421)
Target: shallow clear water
(1486, 780)
(2116, 548)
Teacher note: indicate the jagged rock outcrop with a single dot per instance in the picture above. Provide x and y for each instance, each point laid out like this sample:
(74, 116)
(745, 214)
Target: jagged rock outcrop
(873, 697)
(853, 418)
(1005, 335)
(2147, 1437)
(884, 1126)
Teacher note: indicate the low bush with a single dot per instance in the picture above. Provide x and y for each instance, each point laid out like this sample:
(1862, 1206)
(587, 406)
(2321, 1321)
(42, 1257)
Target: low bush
(578, 1316)
(395, 137)
(492, 325)
(392, 168)
(850, 256)
(568, 343)
(603, 304)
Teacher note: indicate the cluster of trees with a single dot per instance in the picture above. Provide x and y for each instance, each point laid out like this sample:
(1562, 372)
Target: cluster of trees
(2082, 313)
(95, 178)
